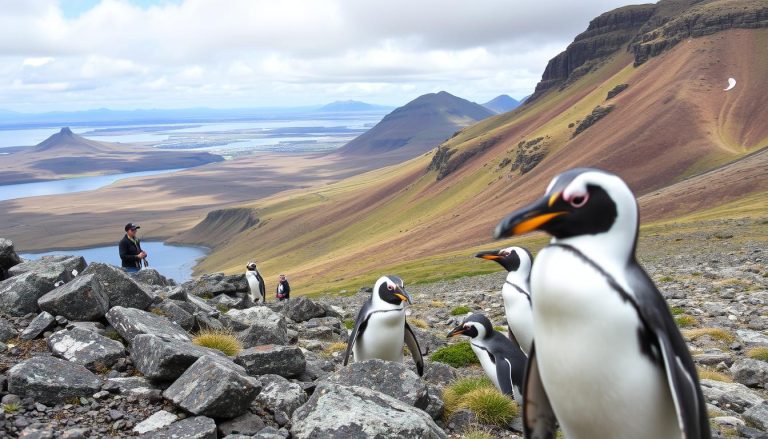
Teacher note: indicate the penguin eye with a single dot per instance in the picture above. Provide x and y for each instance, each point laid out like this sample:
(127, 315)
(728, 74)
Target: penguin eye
(390, 287)
(579, 200)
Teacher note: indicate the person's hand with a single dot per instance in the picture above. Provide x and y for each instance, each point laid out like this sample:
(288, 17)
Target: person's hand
(142, 255)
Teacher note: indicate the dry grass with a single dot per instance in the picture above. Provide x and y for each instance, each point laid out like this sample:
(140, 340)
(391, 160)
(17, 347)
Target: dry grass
(706, 374)
(224, 341)
(685, 321)
(758, 353)
(719, 334)
(437, 304)
(419, 323)
(331, 349)
(476, 434)
(479, 396)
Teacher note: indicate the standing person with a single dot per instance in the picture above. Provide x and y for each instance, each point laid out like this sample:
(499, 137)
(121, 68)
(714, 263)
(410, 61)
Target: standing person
(131, 253)
(283, 288)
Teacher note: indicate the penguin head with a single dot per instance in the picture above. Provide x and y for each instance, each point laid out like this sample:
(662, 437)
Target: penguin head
(474, 326)
(391, 289)
(511, 258)
(580, 203)
(251, 266)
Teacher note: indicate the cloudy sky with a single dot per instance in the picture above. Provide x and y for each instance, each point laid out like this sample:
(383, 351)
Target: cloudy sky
(121, 54)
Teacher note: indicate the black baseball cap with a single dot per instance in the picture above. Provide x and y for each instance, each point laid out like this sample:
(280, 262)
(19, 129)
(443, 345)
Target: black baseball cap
(132, 226)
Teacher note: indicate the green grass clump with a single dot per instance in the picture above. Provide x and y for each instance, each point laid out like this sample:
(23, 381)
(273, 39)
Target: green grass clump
(677, 310)
(684, 321)
(759, 353)
(457, 355)
(223, 341)
(501, 328)
(222, 308)
(349, 323)
(476, 434)
(666, 279)
(12, 407)
(460, 310)
(482, 398)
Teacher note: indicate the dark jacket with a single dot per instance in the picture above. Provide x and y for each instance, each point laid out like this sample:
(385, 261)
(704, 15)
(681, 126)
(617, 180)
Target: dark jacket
(286, 290)
(129, 252)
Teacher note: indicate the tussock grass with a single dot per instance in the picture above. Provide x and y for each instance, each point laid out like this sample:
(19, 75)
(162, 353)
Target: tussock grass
(685, 321)
(482, 398)
(437, 304)
(460, 310)
(476, 434)
(706, 374)
(456, 355)
(349, 323)
(11, 408)
(677, 310)
(224, 341)
(419, 323)
(719, 334)
(759, 353)
(453, 393)
(339, 346)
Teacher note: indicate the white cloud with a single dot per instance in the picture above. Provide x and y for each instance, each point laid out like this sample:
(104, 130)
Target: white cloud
(288, 52)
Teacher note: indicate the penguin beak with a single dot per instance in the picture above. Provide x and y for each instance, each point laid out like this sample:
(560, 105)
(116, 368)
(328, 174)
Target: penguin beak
(456, 331)
(491, 255)
(529, 218)
(403, 295)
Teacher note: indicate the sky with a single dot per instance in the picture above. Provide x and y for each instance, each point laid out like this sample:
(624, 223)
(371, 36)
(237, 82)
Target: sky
(71, 55)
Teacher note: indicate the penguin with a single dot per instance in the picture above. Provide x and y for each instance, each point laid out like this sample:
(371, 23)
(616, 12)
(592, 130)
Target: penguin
(515, 292)
(255, 283)
(380, 328)
(607, 359)
(502, 359)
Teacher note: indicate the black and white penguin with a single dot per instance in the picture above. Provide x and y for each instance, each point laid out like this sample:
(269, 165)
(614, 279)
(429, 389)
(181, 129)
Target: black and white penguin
(515, 292)
(608, 359)
(380, 328)
(501, 358)
(255, 283)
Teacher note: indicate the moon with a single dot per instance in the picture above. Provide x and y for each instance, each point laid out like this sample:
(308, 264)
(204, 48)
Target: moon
(731, 84)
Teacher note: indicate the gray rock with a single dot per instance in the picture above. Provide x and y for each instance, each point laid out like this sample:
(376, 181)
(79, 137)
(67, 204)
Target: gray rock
(80, 299)
(237, 301)
(43, 322)
(303, 309)
(258, 326)
(198, 427)
(7, 331)
(462, 419)
(272, 433)
(436, 406)
(713, 357)
(75, 433)
(439, 374)
(63, 268)
(286, 361)
(164, 358)
(204, 321)
(51, 380)
(120, 289)
(130, 322)
(19, 294)
(86, 348)
(757, 415)
(155, 422)
(388, 377)
(751, 339)
(324, 328)
(88, 326)
(174, 293)
(247, 424)
(8, 257)
(357, 412)
(750, 372)
(215, 284)
(277, 393)
(733, 396)
(213, 388)
(201, 305)
(175, 314)
(150, 276)
(129, 385)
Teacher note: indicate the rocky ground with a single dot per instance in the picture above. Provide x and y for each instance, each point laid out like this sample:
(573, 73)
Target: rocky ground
(88, 352)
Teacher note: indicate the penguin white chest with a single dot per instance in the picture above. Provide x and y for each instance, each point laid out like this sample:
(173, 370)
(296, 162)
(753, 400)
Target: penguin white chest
(588, 349)
(383, 337)
(517, 309)
(254, 286)
(485, 361)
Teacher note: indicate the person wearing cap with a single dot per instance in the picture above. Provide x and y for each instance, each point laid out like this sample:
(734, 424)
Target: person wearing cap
(131, 253)
(283, 288)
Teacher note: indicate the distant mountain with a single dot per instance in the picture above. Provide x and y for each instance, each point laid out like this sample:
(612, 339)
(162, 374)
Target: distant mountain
(67, 142)
(502, 104)
(418, 126)
(351, 106)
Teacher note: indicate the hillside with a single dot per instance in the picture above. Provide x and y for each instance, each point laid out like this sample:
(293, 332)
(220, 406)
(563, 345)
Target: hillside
(502, 104)
(416, 127)
(668, 128)
(66, 154)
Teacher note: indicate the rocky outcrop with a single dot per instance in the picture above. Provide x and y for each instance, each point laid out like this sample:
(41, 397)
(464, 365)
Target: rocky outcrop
(598, 113)
(120, 289)
(81, 299)
(164, 358)
(130, 322)
(447, 160)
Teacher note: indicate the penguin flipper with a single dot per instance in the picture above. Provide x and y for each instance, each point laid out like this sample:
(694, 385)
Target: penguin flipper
(413, 346)
(361, 322)
(539, 420)
(504, 375)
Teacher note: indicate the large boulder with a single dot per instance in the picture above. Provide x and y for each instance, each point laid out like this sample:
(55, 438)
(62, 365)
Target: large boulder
(174, 313)
(197, 427)
(213, 387)
(750, 372)
(216, 283)
(32, 280)
(278, 393)
(388, 377)
(120, 288)
(63, 268)
(8, 257)
(258, 326)
(80, 300)
(86, 348)
(130, 322)
(164, 358)
(303, 309)
(51, 380)
(152, 277)
(286, 361)
(356, 412)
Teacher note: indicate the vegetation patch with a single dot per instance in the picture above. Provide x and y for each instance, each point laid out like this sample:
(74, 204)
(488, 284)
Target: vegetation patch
(715, 333)
(477, 434)
(222, 308)
(677, 310)
(223, 341)
(759, 353)
(482, 398)
(460, 310)
(437, 304)
(685, 321)
(706, 374)
(419, 323)
(339, 346)
(456, 355)
(12, 407)
(349, 323)
(598, 113)
(666, 279)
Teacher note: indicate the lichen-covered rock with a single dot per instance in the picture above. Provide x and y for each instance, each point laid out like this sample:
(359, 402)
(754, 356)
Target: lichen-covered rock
(19, 294)
(752, 339)
(750, 372)
(388, 377)
(152, 277)
(258, 326)
(735, 396)
(215, 284)
(130, 322)
(174, 313)
(120, 289)
(278, 393)
(303, 309)
(164, 358)
(198, 427)
(51, 380)
(324, 328)
(211, 387)
(286, 361)
(38, 325)
(155, 422)
(80, 299)
(63, 268)
(86, 348)
(356, 412)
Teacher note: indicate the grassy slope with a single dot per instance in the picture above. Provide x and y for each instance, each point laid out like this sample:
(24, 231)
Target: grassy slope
(674, 121)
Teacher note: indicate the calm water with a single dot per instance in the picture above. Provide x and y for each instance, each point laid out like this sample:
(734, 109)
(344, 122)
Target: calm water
(172, 261)
(55, 187)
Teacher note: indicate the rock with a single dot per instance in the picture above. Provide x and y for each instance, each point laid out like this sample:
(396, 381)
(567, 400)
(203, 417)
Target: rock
(388, 377)
(203, 322)
(19, 294)
(462, 419)
(80, 299)
(303, 309)
(36, 431)
(757, 415)
(238, 301)
(129, 385)
(151, 277)
(324, 328)
(8, 257)
(439, 374)
(213, 388)
(63, 268)
(130, 322)
(713, 357)
(750, 372)
(215, 284)
(285, 361)
(733, 396)
(751, 339)
(120, 289)
(88, 326)
(357, 412)
(616, 90)
(175, 314)
(75, 433)
(258, 325)
(50, 380)
(435, 407)
(164, 358)
(202, 306)
(43, 322)
(277, 393)
(198, 427)
(247, 424)
(157, 421)
(7, 331)
(86, 348)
